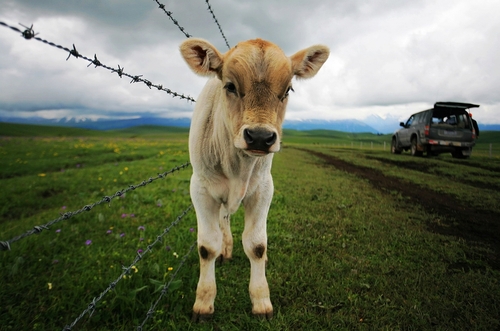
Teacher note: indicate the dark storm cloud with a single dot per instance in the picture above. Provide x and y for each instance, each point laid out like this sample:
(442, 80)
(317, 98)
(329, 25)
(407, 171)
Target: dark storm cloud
(388, 57)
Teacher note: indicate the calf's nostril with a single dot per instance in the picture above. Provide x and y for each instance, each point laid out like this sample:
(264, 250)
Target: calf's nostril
(271, 140)
(247, 135)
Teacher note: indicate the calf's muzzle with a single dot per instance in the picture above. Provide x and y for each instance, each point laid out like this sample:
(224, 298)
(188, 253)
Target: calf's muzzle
(259, 139)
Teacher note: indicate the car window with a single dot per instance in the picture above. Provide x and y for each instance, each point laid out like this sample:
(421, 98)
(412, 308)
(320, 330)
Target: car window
(463, 121)
(410, 120)
(418, 118)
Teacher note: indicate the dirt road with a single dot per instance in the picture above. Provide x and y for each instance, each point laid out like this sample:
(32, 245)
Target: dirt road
(478, 227)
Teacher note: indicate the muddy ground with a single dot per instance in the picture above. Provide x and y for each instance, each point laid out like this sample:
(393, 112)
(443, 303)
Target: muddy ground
(479, 227)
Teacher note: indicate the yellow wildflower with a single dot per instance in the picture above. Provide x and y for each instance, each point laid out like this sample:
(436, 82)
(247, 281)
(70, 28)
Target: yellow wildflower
(41, 175)
(49, 285)
(170, 269)
(135, 269)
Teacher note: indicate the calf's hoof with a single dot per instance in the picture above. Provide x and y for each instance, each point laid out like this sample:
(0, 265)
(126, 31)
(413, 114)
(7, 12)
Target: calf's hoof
(223, 259)
(262, 309)
(264, 316)
(197, 317)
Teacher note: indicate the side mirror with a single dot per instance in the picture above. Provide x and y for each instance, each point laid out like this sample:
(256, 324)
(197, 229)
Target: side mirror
(402, 124)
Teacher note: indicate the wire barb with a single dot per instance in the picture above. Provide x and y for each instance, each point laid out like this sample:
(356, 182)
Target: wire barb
(73, 52)
(29, 32)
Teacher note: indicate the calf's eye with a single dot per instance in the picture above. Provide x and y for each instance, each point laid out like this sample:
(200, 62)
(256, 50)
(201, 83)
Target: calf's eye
(230, 87)
(287, 92)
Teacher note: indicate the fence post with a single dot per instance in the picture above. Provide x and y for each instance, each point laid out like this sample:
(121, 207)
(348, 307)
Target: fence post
(371, 145)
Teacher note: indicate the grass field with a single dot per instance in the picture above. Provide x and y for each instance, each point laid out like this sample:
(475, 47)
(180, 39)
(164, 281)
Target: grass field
(359, 239)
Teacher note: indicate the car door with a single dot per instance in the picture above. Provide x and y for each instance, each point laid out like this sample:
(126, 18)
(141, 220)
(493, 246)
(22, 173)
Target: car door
(404, 134)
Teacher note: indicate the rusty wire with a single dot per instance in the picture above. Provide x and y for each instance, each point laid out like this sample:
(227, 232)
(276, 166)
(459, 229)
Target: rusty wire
(29, 33)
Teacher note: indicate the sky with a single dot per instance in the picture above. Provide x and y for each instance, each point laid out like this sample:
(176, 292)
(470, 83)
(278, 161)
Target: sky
(389, 58)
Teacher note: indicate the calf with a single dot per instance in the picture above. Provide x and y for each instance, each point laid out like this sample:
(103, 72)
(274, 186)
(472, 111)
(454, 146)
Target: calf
(235, 129)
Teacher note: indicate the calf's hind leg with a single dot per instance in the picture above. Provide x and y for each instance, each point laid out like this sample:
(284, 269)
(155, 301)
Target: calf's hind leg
(227, 236)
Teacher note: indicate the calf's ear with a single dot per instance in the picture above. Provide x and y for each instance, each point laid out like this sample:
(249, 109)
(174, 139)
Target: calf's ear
(201, 56)
(307, 62)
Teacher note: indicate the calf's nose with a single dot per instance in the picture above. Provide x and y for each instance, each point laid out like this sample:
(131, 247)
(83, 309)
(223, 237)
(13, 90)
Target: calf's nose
(259, 139)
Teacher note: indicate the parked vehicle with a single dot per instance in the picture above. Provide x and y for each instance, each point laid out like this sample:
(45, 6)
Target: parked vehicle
(446, 128)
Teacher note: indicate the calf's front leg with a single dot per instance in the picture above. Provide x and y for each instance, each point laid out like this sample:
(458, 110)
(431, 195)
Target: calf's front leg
(255, 246)
(209, 248)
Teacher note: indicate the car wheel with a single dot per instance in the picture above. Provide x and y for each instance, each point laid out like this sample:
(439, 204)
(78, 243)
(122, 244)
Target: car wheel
(394, 147)
(459, 155)
(413, 149)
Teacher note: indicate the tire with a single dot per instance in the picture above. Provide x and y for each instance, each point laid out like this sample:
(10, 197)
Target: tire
(394, 146)
(413, 150)
(459, 155)
(429, 152)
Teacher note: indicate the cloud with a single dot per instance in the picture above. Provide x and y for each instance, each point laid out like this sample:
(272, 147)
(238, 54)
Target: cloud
(388, 58)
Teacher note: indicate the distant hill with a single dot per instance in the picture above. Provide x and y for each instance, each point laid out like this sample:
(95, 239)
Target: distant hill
(376, 124)
(101, 124)
(489, 127)
(338, 125)
(32, 130)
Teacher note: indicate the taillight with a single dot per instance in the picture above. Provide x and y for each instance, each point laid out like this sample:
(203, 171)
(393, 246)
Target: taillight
(426, 130)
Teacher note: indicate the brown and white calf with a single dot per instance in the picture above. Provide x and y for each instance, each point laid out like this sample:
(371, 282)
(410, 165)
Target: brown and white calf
(235, 129)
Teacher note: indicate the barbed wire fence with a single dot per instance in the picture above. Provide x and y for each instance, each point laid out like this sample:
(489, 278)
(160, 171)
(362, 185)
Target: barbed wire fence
(29, 33)
(91, 307)
(218, 25)
(169, 14)
(5, 245)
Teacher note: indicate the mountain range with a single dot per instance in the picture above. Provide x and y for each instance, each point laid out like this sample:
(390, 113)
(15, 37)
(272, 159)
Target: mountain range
(376, 124)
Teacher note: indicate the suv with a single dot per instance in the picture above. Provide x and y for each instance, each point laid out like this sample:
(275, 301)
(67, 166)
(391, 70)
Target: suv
(443, 129)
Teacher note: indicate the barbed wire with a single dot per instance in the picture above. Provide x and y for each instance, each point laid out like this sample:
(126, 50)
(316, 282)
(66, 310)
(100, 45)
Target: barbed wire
(29, 33)
(217, 22)
(91, 307)
(151, 310)
(169, 14)
(5, 245)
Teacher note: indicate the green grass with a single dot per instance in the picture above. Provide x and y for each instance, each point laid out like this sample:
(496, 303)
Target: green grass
(342, 254)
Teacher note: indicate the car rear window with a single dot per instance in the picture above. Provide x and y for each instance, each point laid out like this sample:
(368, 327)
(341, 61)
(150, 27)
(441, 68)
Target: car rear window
(451, 118)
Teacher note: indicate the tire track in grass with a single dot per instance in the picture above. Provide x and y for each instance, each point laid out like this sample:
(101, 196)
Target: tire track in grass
(477, 226)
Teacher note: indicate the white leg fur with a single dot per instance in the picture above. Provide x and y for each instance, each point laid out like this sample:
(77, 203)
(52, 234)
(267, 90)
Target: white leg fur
(255, 246)
(209, 248)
